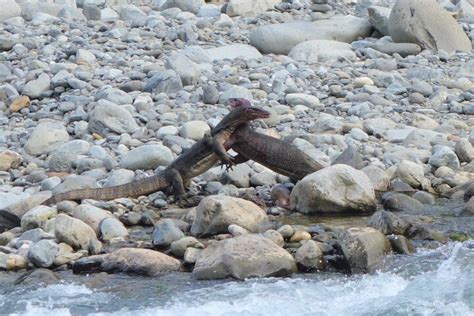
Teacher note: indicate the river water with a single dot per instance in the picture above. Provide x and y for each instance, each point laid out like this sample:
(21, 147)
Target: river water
(430, 282)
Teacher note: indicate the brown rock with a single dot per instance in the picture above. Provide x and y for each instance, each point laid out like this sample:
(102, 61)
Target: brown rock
(20, 103)
(9, 160)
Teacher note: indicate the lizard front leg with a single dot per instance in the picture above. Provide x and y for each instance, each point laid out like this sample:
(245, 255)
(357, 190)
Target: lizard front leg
(217, 144)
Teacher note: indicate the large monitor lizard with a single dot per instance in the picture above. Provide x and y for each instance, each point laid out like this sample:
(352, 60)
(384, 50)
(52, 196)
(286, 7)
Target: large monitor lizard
(191, 163)
(273, 153)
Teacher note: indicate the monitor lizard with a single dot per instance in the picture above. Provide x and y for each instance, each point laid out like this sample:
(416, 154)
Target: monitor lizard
(198, 159)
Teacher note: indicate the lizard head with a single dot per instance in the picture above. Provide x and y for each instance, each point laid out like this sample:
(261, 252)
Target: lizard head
(251, 112)
(239, 102)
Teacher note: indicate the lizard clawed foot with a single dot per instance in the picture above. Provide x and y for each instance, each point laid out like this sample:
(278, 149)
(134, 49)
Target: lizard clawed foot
(228, 162)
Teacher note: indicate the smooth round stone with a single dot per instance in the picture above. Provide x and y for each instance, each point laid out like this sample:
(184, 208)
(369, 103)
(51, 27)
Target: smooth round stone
(194, 130)
(112, 228)
(300, 235)
(362, 81)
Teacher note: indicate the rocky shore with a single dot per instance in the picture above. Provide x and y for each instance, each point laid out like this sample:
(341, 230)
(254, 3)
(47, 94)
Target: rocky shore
(100, 93)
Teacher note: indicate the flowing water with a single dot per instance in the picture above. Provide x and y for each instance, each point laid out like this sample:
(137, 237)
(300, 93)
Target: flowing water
(430, 282)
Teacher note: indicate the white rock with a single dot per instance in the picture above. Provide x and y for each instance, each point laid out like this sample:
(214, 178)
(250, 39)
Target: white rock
(334, 190)
(321, 50)
(147, 157)
(194, 130)
(215, 213)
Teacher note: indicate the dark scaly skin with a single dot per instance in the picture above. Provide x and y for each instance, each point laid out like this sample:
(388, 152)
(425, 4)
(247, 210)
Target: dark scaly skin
(273, 153)
(193, 162)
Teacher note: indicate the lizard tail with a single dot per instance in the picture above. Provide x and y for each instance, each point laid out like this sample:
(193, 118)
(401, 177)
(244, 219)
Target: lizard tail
(133, 189)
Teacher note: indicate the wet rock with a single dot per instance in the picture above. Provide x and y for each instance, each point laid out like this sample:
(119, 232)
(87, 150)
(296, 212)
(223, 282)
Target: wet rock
(401, 202)
(46, 137)
(147, 157)
(214, 214)
(423, 232)
(315, 51)
(243, 257)
(73, 232)
(365, 248)
(166, 232)
(139, 261)
(309, 257)
(334, 190)
(424, 197)
(468, 208)
(400, 244)
(42, 253)
(38, 277)
(427, 24)
(286, 231)
(180, 246)
(389, 223)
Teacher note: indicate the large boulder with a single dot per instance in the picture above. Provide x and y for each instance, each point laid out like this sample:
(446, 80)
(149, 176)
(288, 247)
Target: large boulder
(281, 38)
(334, 190)
(321, 50)
(427, 24)
(129, 260)
(215, 213)
(364, 248)
(249, 7)
(243, 257)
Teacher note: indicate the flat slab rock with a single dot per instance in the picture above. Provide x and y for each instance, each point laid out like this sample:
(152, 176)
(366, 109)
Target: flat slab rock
(130, 260)
(243, 257)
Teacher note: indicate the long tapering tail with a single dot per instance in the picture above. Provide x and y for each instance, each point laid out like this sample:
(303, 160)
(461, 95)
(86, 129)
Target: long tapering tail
(133, 189)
